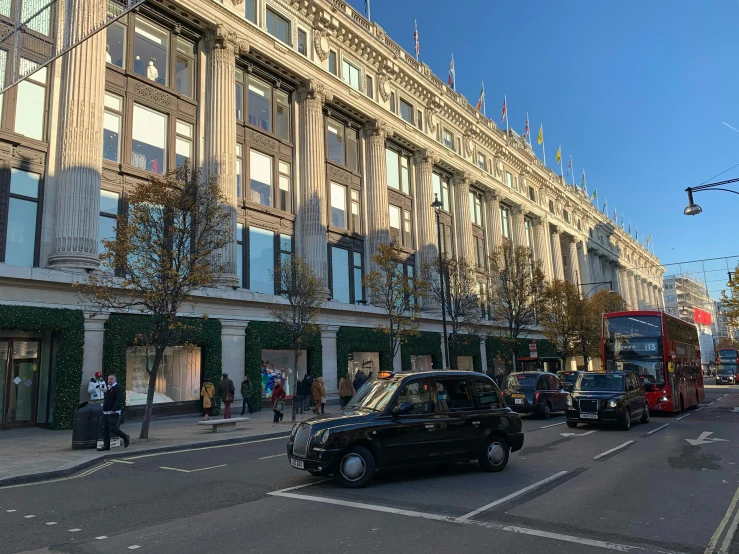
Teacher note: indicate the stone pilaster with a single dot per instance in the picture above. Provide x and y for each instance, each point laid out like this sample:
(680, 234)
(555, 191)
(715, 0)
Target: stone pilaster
(426, 230)
(81, 137)
(543, 252)
(633, 291)
(557, 269)
(519, 229)
(573, 269)
(660, 298)
(312, 95)
(624, 287)
(378, 224)
(639, 298)
(645, 293)
(462, 218)
(584, 264)
(221, 47)
(493, 232)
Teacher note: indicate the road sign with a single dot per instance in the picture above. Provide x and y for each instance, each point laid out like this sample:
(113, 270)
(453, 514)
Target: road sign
(532, 350)
(704, 438)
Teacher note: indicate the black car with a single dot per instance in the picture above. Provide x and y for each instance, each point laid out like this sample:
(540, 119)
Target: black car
(725, 375)
(616, 397)
(568, 379)
(405, 419)
(535, 392)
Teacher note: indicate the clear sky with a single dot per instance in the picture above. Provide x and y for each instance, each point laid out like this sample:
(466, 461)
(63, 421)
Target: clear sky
(635, 90)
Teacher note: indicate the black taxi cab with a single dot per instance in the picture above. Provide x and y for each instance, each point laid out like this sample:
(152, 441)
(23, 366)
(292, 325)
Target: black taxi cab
(405, 419)
(608, 398)
(535, 392)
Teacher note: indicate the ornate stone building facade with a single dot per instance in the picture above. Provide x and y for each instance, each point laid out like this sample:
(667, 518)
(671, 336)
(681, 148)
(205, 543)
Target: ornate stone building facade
(327, 138)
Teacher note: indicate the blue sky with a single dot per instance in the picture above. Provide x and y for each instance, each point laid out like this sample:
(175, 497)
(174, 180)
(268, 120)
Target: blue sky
(636, 91)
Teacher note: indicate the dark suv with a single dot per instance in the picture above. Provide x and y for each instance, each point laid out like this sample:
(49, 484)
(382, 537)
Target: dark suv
(409, 418)
(535, 392)
(616, 397)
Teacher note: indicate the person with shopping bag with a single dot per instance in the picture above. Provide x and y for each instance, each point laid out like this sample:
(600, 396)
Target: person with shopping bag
(278, 402)
(318, 390)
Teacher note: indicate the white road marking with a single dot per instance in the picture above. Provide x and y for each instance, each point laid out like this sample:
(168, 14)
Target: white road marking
(85, 474)
(275, 456)
(51, 523)
(134, 547)
(682, 417)
(721, 526)
(10, 511)
(579, 434)
(619, 447)
(192, 470)
(206, 448)
(29, 517)
(74, 530)
(514, 495)
(552, 425)
(730, 534)
(122, 462)
(103, 537)
(301, 486)
(704, 438)
(449, 519)
(653, 431)
(699, 409)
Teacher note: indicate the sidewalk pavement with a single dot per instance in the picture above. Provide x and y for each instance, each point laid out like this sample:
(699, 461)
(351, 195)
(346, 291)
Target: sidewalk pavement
(34, 454)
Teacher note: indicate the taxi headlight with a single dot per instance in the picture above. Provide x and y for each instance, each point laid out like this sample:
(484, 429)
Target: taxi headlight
(322, 436)
(569, 401)
(294, 430)
(612, 403)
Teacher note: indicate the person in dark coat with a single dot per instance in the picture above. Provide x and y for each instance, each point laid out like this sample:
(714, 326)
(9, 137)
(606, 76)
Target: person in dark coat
(227, 395)
(246, 390)
(111, 420)
(359, 380)
(278, 398)
(308, 383)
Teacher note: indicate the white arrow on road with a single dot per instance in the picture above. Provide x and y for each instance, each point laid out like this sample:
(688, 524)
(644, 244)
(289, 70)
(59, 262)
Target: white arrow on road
(704, 439)
(578, 434)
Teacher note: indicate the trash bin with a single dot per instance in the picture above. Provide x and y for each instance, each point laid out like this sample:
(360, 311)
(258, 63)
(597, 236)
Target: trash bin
(86, 425)
(299, 403)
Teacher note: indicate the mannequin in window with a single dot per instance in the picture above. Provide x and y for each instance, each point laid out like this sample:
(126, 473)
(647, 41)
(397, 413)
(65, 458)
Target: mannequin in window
(152, 73)
(138, 65)
(108, 59)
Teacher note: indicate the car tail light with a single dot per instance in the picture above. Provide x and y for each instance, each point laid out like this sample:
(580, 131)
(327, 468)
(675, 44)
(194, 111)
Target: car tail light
(536, 397)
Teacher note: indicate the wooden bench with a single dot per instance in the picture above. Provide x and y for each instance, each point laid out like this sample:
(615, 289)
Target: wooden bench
(223, 424)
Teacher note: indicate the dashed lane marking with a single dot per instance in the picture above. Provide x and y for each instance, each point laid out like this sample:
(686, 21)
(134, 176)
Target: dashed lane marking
(51, 523)
(10, 511)
(552, 425)
(74, 530)
(302, 486)
(134, 547)
(29, 516)
(274, 456)
(514, 495)
(102, 537)
(192, 470)
(612, 450)
(653, 431)
(122, 462)
(682, 417)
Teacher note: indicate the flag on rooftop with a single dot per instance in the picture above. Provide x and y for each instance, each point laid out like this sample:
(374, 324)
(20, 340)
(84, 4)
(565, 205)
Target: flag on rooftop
(415, 39)
(481, 102)
(452, 78)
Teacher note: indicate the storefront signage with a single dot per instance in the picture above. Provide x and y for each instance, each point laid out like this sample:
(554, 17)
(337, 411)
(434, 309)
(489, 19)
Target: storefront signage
(532, 350)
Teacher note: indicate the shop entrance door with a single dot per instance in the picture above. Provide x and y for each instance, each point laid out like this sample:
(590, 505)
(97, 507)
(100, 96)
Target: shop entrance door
(19, 380)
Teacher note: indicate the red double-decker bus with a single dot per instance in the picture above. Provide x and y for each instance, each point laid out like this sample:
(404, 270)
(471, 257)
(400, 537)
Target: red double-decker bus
(729, 356)
(663, 350)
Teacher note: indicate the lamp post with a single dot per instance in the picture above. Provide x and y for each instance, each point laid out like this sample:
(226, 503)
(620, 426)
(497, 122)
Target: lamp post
(695, 209)
(609, 283)
(437, 205)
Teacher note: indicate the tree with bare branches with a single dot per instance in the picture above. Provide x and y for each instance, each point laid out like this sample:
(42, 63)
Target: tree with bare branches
(305, 294)
(516, 290)
(563, 317)
(460, 297)
(168, 247)
(589, 334)
(396, 293)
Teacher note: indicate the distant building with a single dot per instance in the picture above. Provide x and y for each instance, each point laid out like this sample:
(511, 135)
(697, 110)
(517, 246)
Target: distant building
(688, 299)
(721, 328)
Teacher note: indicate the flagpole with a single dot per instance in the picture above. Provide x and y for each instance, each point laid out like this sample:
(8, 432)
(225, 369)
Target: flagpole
(561, 169)
(505, 101)
(484, 108)
(369, 11)
(415, 24)
(528, 133)
(572, 170)
(543, 148)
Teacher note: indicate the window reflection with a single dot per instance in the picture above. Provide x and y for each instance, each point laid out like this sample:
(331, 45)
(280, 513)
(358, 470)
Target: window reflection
(261, 260)
(340, 274)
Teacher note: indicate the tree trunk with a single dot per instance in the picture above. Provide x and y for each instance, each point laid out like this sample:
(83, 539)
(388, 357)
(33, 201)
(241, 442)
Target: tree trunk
(158, 355)
(295, 381)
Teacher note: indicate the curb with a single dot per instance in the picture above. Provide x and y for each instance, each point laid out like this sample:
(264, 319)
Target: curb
(47, 475)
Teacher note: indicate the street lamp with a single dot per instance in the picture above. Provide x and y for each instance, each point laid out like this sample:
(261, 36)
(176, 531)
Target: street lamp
(695, 209)
(437, 205)
(609, 283)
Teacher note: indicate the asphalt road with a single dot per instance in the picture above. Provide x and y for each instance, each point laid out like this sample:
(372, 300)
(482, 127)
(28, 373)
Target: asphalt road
(569, 490)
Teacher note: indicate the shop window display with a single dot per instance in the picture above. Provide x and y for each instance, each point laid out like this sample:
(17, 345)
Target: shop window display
(421, 363)
(178, 378)
(278, 364)
(366, 361)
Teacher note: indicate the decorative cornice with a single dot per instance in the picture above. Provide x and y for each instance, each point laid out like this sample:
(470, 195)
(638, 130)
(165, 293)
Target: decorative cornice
(221, 37)
(314, 89)
(375, 128)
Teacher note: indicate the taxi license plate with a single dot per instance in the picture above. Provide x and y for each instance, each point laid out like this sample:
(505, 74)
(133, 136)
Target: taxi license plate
(297, 463)
(518, 396)
(518, 400)
(589, 416)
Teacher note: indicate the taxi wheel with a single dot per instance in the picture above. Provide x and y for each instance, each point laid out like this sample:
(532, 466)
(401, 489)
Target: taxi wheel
(627, 420)
(547, 411)
(356, 468)
(645, 415)
(495, 457)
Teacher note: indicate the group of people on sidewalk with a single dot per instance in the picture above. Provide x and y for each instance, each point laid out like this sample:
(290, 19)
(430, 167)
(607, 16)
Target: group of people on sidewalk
(315, 390)
(348, 388)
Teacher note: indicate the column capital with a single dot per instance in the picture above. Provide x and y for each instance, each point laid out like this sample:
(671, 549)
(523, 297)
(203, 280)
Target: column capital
(313, 89)
(462, 179)
(375, 129)
(490, 195)
(223, 38)
(554, 230)
(425, 156)
(517, 210)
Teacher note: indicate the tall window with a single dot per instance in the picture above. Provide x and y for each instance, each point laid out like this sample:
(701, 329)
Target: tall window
(448, 139)
(448, 246)
(358, 290)
(115, 44)
(22, 213)
(479, 251)
(261, 260)
(482, 293)
(109, 203)
(338, 206)
(240, 254)
(239, 170)
(566, 216)
(396, 230)
(440, 187)
(370, 86)
(278, 26)
(149, 140)
(343, 147)
(505, 222)
(398, 174)
(30, 107)
(332, 64)
(509, 179)
(302, 42)
(340, 275)
(406, 111)
(267, 107)
(482, 161)
(260, 105)
(476, 208)
(529, 237)
(250, 10)
(356, 223)
(284, 196)
(112, 120)
(183, 143)
(185, 67)
(260, 178)
(407, 229)
(151, 51)
(352, 75)
(551, 206)
(532, 194)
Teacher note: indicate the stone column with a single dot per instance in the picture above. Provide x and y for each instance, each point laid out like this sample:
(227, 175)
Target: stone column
(638, 291)
(492, 221)
(328, 344)
(80, 163)
(543, 250)
(573, 269)
(426, 235)
(222, 47)
(661, 298)
(557, 269)
(312, 95)
(584, 264)
(378, 219)
(462, 218)
(519, 226)
(625, 287)
(615, 277)
(633, 291)
(645, 292)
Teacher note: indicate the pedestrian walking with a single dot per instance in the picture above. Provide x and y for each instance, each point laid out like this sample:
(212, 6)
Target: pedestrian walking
(96, 387)
(359, 380)
(246, 390)
(346, 390)
(111, 420)
(308, 380)
(278, 402)
(319, 395)
(227, 394)
(207, 392)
